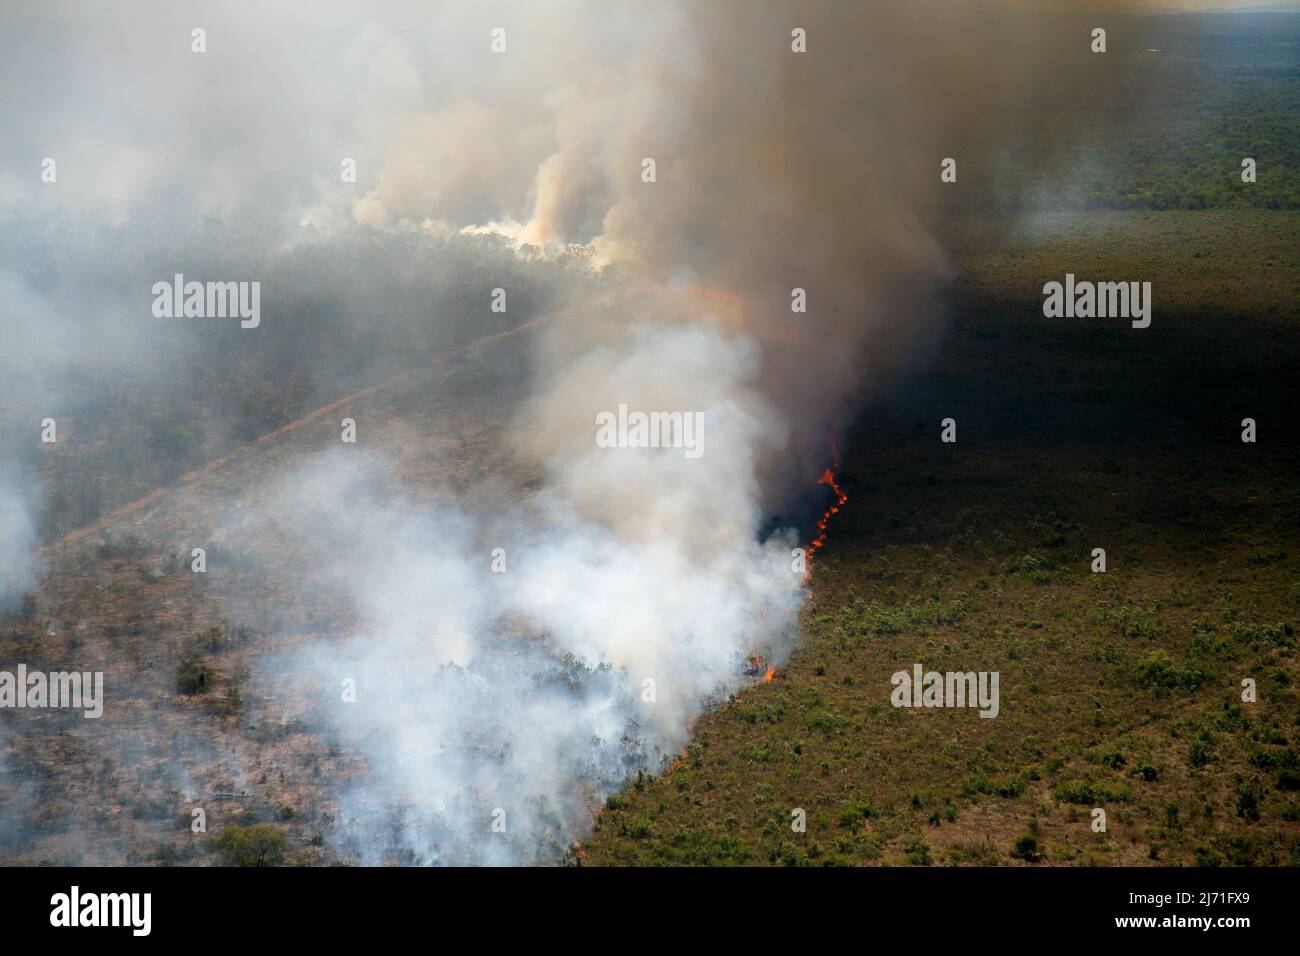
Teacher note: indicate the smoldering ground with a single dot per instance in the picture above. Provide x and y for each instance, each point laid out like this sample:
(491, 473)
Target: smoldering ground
(523, 170)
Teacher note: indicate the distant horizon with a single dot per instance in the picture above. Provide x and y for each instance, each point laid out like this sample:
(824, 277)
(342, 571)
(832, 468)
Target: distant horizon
(1166, 7)
(321, 15)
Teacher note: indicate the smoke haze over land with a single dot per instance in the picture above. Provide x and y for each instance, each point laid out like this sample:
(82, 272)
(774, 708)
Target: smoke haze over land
(522, 690)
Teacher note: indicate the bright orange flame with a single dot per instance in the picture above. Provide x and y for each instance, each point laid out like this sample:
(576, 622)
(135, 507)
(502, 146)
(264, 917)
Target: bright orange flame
(827, 478)
(767, 678)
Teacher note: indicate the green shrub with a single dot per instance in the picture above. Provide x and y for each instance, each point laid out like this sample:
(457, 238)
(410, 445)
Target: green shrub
(979, 784)
(1248, 803)
(1091, 792)
(1155, 669)
(1259, 636)
(259, 844)
(1198, 754)
(917, 851)
(879, 619)
(1027, 849)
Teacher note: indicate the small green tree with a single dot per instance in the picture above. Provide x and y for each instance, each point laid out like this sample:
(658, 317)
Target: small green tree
(1027, 849)
(259, 844)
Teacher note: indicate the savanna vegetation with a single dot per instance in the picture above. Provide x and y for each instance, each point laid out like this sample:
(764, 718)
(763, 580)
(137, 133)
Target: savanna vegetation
(1119, 690)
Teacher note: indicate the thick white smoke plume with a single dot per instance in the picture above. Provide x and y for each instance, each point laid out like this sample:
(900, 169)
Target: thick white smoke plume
(640, 584)
(525, 664)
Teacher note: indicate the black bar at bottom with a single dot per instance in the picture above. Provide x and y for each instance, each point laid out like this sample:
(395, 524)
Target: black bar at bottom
(331, 906)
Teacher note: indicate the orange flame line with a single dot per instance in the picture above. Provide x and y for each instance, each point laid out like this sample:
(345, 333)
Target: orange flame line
(827, 478)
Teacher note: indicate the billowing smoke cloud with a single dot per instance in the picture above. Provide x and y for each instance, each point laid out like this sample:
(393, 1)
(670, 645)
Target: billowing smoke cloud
(775, 170)
(635, 579)
(512, 671)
